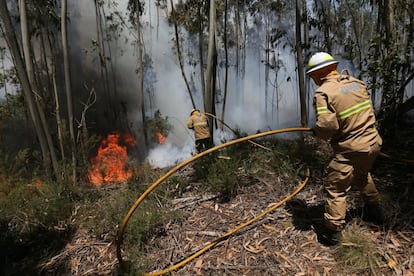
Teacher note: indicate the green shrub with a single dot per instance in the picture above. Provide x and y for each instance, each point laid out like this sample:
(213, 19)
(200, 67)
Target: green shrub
(33, 224)
(30, 205)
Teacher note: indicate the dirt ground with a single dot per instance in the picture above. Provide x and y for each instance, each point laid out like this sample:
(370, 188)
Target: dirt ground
(284, 241)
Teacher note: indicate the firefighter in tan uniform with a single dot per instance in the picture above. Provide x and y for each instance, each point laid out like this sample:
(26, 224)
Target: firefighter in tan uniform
(345, 117)
(199, 123)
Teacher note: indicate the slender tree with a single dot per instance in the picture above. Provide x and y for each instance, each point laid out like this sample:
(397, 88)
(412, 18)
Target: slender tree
(179, 54)
(27, 52)
(68, 86)
(226, 74)
(300, 64)
(200, 30)
(211, 63)
(14, 48)
(136, 9)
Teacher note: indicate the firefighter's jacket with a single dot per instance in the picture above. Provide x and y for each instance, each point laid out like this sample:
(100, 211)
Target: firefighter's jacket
(344, 114)
(199, 123)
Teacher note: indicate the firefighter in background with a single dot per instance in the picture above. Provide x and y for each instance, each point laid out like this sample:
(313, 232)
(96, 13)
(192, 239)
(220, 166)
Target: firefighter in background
(345, 117)
(199, 124)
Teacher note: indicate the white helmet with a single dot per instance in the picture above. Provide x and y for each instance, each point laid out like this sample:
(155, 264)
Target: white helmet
(320, 60)
(194, 110)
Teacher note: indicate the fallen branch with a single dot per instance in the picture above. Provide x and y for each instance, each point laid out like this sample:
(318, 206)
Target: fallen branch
(188, 201)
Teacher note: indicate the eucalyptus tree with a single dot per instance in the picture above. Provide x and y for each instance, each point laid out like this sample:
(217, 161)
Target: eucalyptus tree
(358, 16)
(211, 62)
(68, 85)
(226, 62)
(192, 15)
(27, 55)
(161, 5)
(34, 97)
(179, 54)
(377, 36)
(390, 66)
(45, 25)
(271, 28)
(299, 59)
(136, 10)
(109, 26)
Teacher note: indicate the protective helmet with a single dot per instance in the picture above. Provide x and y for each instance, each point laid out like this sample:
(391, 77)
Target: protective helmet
(320, 60)
(194, 110)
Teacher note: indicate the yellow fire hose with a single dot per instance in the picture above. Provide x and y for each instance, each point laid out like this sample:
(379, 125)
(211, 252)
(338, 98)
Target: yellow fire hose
(188, 161)
(233, 231)
(217, 118)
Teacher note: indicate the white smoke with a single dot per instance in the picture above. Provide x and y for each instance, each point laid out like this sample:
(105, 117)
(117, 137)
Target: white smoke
(244, 113)
(168, 154)
(245, 106)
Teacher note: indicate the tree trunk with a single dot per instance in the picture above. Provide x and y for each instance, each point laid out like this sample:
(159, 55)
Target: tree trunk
(180, 57)
(223, 109)
(299, 59)
(406, 106)
(68, 87)
(141, 75)
(237, 48)
(35, 87)
(388, 20)
(102, 62)
(243, 54)
(211, 63)
(33, 84)
(201, 52)
(59, 122)
(24, 80)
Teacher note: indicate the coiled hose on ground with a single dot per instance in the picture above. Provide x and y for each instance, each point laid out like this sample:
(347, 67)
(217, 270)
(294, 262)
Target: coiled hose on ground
(238, 228)
(188, 161)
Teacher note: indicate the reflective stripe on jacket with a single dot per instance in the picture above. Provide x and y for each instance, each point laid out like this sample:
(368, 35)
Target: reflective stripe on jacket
(199, 123)
(344, 114)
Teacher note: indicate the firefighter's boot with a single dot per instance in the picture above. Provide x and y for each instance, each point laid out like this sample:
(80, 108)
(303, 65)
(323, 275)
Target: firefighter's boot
(328, 236)
(373, 213)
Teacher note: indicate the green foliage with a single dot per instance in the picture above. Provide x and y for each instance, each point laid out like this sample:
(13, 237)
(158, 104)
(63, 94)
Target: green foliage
(33, 222)
(14, 164)
(191, 14)
(12, 108)
(232, 168)
(103, 210)
(157, 125)
(224, 176)
(8, 77)
(176, 185)
(289, 156)
(88, 142)
(136, 9)
(27, 206)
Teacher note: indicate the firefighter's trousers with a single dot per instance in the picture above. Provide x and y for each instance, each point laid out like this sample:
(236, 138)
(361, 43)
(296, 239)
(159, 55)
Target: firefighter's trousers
(203, 144)
(348, 170)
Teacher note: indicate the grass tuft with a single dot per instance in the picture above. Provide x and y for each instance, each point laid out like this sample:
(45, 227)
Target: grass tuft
(358, 249)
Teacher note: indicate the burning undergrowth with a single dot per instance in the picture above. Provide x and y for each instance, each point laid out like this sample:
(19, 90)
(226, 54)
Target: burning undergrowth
(110, 163)
(184, 213)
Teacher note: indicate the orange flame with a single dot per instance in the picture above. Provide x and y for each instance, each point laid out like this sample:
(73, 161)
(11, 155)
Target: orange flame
(109, 165)
(129, 140)
(38, 183)
(161, 138)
